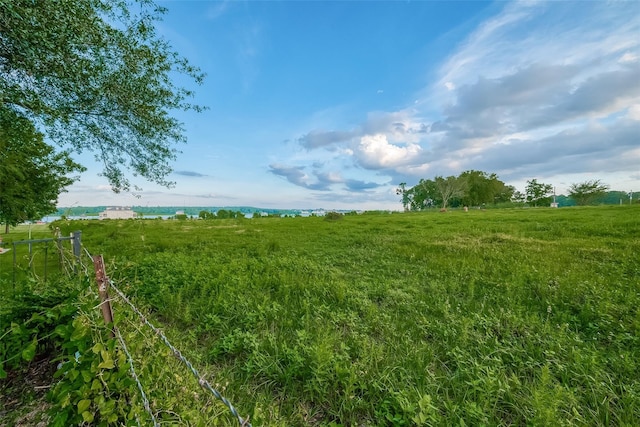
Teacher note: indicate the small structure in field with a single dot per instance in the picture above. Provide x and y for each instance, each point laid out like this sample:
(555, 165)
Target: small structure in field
(554, 204)
(117, 212)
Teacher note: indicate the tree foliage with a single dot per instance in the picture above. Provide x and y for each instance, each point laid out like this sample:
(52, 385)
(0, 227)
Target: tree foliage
(484, 188)
(449, 188)
(471, 188)
(537, 192)
(404, 193)
(94, 75)
(32, 173)
(585, 193)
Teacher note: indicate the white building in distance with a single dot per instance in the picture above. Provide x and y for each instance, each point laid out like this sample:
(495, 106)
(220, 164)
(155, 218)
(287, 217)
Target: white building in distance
(117, 212)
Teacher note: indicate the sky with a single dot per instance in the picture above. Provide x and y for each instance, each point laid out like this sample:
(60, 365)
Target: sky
(333, 104)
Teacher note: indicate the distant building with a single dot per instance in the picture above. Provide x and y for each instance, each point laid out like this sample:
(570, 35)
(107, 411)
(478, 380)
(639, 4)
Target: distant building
(117, 212)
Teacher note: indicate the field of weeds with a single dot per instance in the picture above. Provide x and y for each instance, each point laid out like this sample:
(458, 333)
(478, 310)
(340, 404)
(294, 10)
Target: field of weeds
(497, 317)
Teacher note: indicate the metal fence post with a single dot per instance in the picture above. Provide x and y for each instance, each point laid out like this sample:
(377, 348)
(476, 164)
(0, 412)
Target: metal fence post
(77, 249)
(46, 254)
(14, 266)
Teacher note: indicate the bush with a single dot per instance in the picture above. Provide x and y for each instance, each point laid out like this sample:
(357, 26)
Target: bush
(333, 216)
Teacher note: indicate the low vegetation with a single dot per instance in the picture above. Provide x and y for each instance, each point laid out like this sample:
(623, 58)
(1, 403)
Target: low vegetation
(501, 317)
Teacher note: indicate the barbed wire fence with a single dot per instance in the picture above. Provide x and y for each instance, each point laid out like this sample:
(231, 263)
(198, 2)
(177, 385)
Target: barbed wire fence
(104, 285)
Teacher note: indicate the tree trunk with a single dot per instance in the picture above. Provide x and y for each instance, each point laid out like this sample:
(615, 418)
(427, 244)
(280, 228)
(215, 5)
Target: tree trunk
(6, 228)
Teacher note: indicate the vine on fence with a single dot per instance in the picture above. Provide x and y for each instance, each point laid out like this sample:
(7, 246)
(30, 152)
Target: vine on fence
(96, 377)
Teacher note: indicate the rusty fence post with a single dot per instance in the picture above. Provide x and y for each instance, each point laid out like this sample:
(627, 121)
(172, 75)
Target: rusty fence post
(103, 285)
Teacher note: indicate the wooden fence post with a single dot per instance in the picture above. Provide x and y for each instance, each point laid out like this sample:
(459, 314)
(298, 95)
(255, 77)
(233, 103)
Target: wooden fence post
(103, 284)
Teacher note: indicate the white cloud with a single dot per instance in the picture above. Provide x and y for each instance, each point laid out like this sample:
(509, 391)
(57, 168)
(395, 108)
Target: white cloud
(542, 88)
(633, 112)
(375, 152)
(628, 57)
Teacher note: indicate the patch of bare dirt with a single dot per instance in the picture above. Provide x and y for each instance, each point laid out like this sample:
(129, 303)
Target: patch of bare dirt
(23, 395)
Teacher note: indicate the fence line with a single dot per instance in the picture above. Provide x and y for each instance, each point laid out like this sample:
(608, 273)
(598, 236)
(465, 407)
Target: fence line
(63, 260)
(132, 370)
(104, 282)
(201, 380)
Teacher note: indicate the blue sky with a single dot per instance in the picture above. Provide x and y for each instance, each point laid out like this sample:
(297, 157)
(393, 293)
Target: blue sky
(333, 104)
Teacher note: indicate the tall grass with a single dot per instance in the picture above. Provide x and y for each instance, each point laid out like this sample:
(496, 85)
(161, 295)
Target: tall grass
(510, 317)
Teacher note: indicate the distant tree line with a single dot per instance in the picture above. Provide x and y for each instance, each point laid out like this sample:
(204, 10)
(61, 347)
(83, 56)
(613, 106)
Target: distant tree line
(220, 214)
(470, 188)
(478, 188)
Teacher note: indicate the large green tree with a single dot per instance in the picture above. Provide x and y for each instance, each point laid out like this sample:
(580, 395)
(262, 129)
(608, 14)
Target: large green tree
(32, 173)
(95, 75)
(482, 187)
(585, 193)
(538, 192)
(450, 188)
(424, 195)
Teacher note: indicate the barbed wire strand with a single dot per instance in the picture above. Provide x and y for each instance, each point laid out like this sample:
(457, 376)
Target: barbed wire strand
(201, 381)
(132, 370)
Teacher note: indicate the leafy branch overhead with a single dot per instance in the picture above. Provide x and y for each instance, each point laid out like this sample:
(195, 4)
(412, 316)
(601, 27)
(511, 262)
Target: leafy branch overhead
(94, 75)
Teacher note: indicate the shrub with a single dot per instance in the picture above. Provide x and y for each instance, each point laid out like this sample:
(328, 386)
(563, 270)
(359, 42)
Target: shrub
(333, 216)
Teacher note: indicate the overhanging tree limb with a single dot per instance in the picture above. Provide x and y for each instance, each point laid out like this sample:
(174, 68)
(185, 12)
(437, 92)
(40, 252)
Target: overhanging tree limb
(92, 74)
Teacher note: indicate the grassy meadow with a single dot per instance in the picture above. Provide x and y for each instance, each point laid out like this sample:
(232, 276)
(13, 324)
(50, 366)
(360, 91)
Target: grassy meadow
(489, 317)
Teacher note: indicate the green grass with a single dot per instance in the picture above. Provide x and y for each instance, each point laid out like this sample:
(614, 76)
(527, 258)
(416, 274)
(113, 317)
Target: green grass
(500, 317)
(44, 261)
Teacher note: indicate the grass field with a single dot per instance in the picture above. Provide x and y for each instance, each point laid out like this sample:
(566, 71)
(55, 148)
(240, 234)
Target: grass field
(496, 317)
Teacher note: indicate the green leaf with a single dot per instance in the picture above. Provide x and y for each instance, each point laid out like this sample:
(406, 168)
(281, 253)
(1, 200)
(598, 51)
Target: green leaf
(107, 364)
(62, 331)
(3, 373)
(60, 419)
(87, 416)
(30, 352)
(86, 376)
(79, 331)
(83, 405)
(96, 385)
(97, 348)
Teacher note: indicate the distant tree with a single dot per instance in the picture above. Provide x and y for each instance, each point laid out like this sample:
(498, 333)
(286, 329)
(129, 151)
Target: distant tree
(205, 215)
(537, 192)
(405, 195)
(585, 193)
(482, 187)
(222, 214)
(95, 75)
(333, 216)
(504, 194)
(32, 173)
(450, 188)
(518, 197)
(424, 195)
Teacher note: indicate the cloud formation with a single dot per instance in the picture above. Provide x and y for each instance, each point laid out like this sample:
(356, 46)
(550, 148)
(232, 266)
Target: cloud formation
(190, 173)
(321, 181)
(297, 176)
(529, 93)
